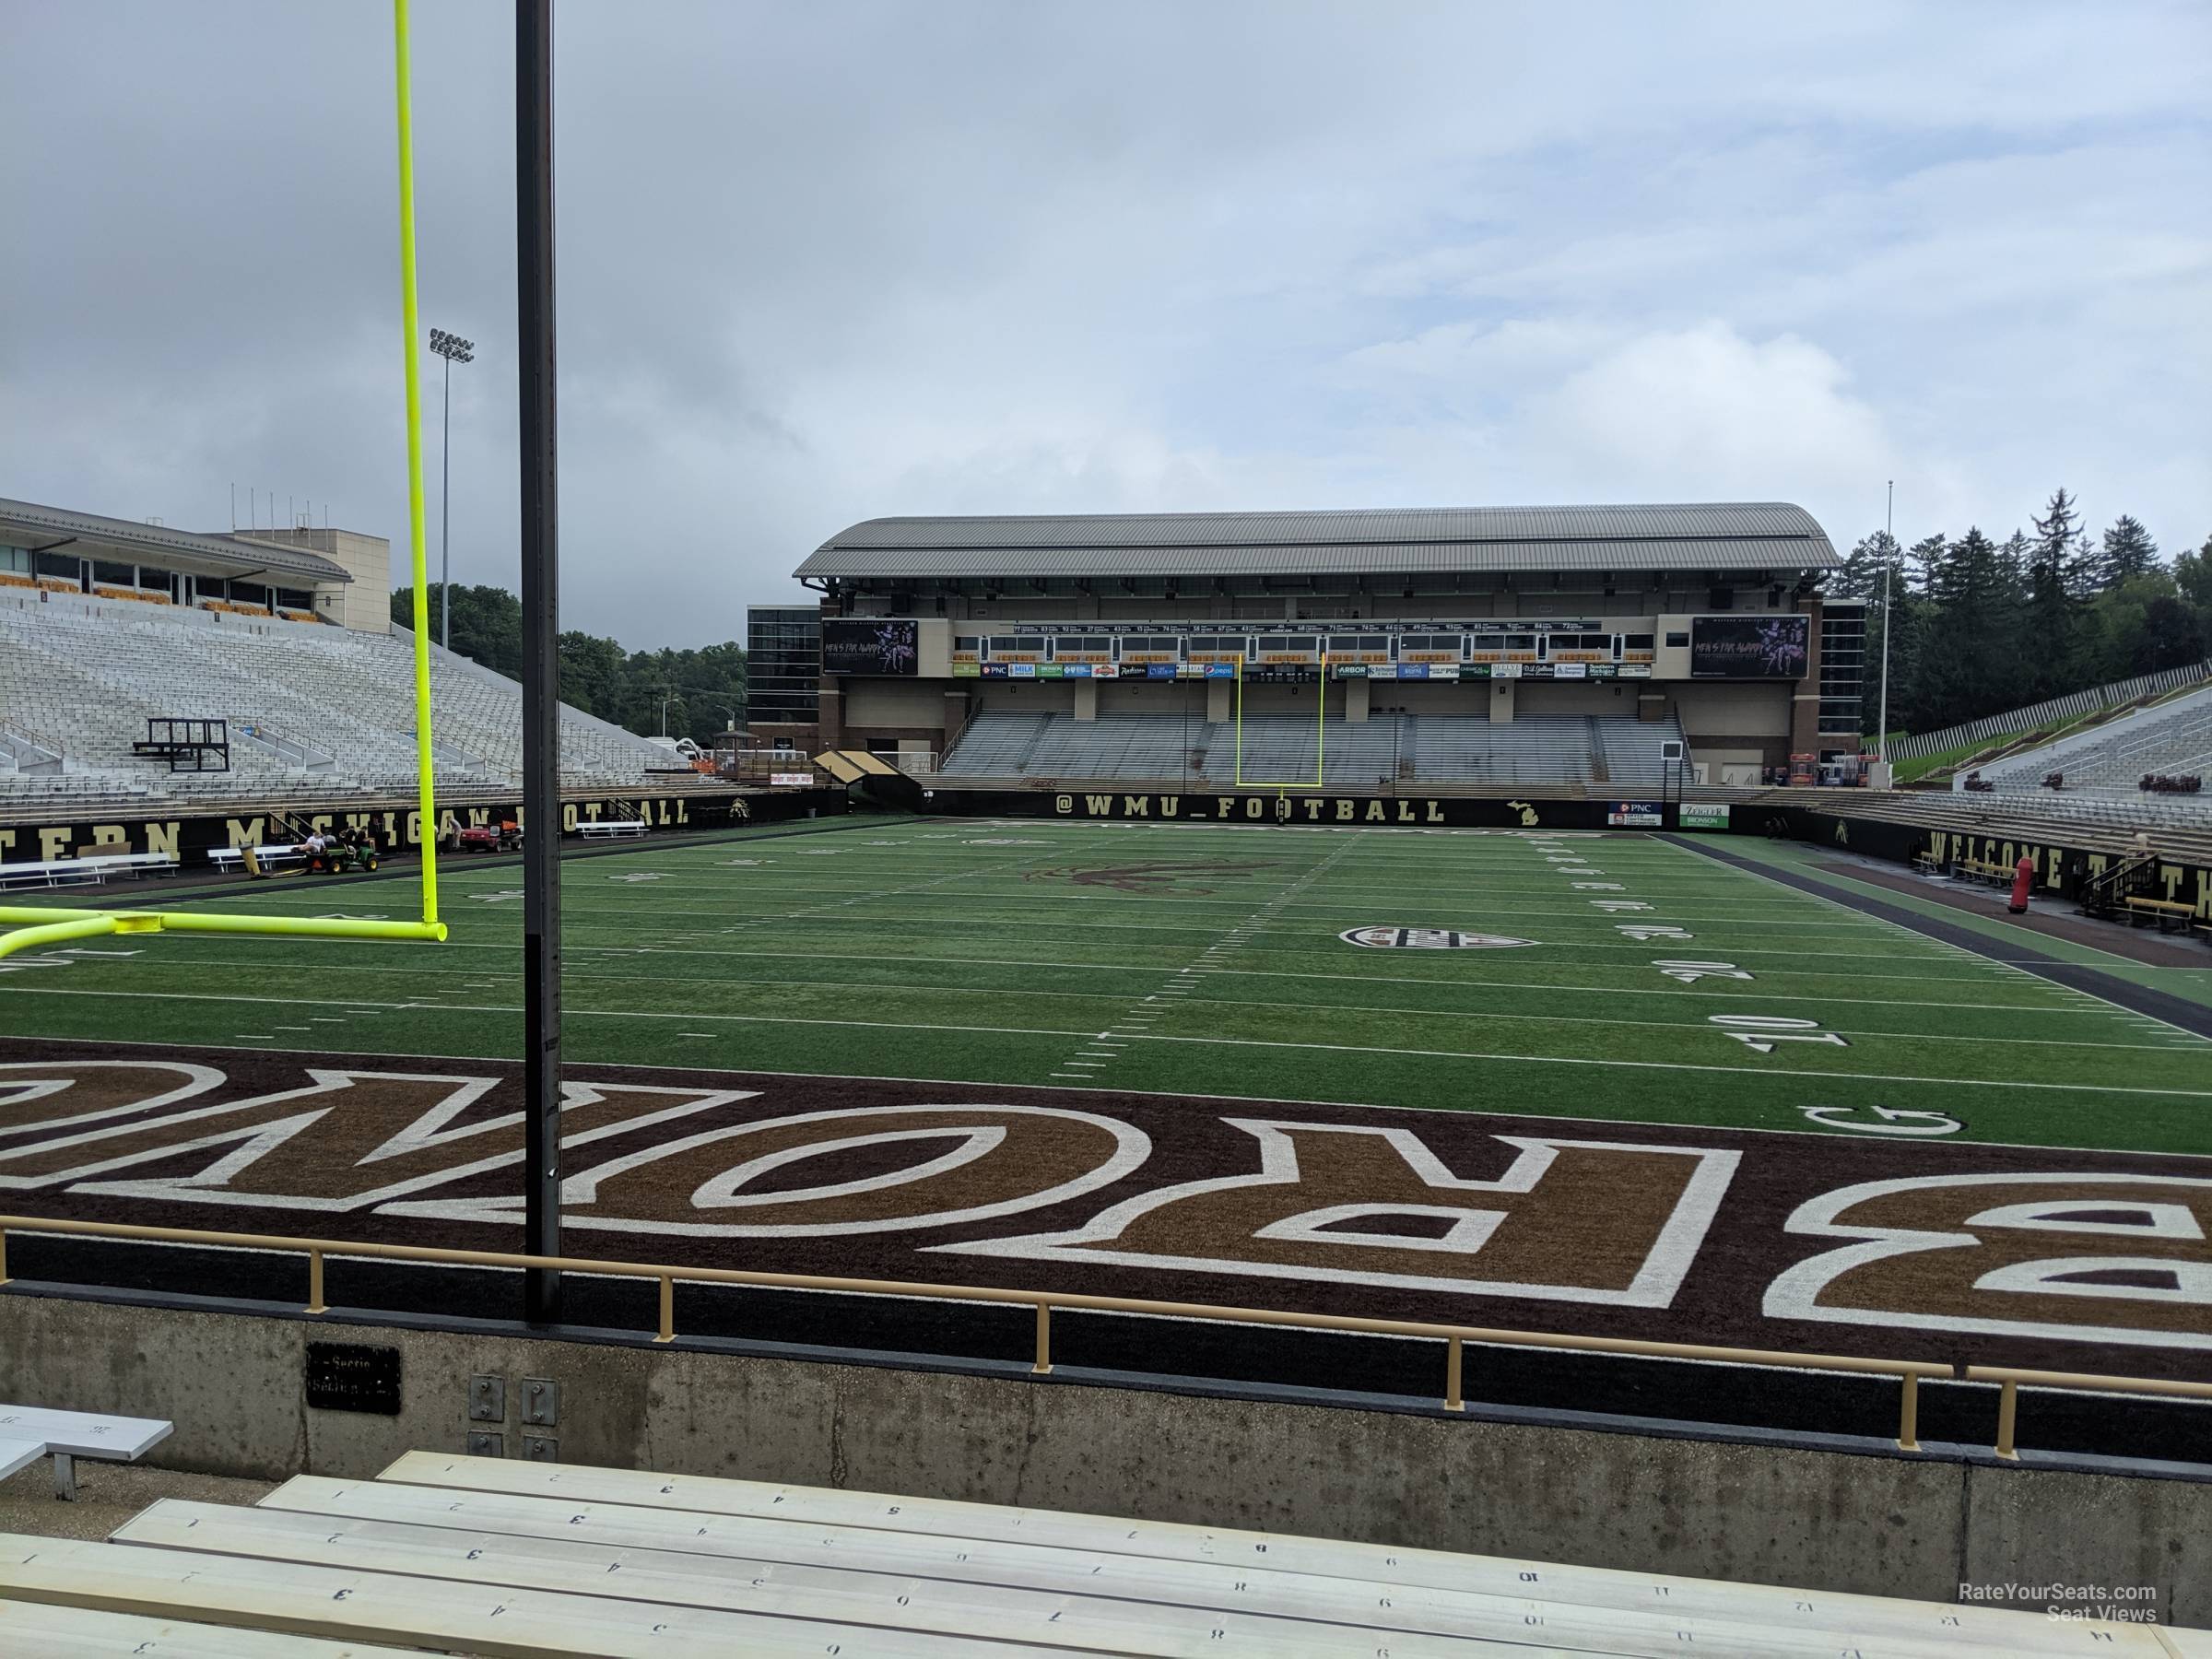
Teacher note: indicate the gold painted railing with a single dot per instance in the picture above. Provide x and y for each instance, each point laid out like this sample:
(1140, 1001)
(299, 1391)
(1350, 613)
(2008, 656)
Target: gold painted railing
(1908, 1372)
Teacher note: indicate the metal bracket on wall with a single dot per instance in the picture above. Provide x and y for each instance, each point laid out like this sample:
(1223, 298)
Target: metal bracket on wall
(541, 1402)
(541, 1448)
(487, 1442)
(487, 1399)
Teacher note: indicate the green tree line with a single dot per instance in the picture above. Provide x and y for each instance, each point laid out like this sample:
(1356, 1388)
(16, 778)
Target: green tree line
(1977, 625)
(696, 693)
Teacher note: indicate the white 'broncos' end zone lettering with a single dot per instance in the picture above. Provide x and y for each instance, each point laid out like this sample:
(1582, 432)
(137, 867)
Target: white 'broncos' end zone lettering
(1608, 1222)
(1991, 1253)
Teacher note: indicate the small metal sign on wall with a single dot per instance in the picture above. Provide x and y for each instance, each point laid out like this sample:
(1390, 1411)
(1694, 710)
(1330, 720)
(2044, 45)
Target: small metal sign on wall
(353, 1376)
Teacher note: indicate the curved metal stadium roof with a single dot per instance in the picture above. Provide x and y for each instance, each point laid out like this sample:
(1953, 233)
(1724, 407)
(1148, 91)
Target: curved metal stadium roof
(92, 536)
(1721, 536)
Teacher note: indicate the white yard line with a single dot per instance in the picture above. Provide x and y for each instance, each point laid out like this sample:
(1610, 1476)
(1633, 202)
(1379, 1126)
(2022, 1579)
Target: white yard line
(1179, 985)
(2007, 967)
(1141, 1036)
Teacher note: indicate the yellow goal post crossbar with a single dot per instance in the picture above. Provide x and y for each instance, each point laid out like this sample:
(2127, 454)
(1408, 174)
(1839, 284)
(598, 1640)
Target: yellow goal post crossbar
(31, 927)
(1321, 723)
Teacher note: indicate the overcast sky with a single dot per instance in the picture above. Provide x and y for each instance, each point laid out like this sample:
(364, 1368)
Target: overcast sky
(824, 262)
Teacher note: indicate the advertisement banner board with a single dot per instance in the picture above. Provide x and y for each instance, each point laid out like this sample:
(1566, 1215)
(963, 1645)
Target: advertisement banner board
(1749, 647)
(1635, 815)
(870, 645)
(1704, 814)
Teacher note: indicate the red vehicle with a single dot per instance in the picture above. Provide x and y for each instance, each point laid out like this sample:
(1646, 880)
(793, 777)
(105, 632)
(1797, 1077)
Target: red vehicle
(484, 837)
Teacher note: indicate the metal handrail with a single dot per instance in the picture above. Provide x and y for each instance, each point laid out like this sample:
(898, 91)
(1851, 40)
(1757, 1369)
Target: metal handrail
(2010, 1377)
(34, 738)
(1908, 1371)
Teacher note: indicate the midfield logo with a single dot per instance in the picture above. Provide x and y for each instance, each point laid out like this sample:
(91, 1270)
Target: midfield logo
(1429, 938)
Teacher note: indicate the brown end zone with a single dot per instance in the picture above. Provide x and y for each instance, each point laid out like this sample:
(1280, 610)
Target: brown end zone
(2073, 1261)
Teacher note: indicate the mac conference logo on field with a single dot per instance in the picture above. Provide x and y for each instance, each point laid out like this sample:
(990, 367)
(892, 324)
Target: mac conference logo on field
(1429, 938)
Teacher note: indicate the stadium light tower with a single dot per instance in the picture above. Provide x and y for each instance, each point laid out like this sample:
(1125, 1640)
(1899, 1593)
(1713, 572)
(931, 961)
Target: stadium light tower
(454, 349)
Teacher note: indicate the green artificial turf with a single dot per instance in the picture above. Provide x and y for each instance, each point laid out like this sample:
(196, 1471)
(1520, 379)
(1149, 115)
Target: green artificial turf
(1183, 957)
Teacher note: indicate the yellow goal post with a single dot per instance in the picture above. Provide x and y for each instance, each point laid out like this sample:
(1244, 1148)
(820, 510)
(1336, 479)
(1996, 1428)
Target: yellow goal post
(31, 926)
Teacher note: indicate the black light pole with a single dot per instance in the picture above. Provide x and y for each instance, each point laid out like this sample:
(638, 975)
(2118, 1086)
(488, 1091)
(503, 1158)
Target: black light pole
(454, 349)
(541, 684)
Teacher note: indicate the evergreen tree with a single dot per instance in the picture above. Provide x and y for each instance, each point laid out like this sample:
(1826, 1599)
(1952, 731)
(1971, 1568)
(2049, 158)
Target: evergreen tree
(486, 623)
(2063, 546)
(1860, 576)
(705, 689)
(2139, 626)
(2059, 580)
(2013, 561)
(2128, 551)
(2051, 626)
(1922, 557)
(1977, 668)
(2173, 634)
(2193, 575)
(2193, 578)
(1877, 556)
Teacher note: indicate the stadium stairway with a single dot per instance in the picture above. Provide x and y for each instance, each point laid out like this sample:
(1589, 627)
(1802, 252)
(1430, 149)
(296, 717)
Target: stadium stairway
(499, 1557)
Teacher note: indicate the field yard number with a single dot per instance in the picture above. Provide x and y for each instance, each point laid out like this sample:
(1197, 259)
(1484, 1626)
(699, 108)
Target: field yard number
(1620, 904)
(1761, 1033)
(1651, 930)
(1894, 1120)
(1689, 973)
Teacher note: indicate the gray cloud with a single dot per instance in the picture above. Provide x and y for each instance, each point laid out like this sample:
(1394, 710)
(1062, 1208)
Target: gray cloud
(826, 262)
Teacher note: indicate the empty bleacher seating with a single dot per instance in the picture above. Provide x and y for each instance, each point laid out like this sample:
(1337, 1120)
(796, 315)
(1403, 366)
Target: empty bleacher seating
(1535, 751)
(315, 713)
(2170, 739)
(484, 1555)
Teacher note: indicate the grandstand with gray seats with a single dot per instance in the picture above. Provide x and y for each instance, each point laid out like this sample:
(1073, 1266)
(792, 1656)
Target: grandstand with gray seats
(1541, 750)
(1471, 649)
(2170, 738)
(107, 625)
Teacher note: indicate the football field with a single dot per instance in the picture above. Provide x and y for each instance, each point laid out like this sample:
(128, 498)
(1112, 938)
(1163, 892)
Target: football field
(1596, 976)
(1609, 1084)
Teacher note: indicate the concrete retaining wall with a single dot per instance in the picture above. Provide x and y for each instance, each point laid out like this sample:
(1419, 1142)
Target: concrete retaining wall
(1818, 1519)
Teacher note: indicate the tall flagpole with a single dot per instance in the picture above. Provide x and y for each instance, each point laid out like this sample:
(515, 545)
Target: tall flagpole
(1888, 559)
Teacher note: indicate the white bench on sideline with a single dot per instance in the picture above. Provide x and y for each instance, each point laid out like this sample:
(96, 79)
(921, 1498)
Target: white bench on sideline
(608, 827)
(94, 868)
(69, 1435)
(269, 858)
